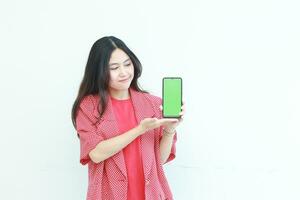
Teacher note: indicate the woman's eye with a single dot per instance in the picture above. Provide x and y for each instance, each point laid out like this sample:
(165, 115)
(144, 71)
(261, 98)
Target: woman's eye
(114, 68)
(128, 64)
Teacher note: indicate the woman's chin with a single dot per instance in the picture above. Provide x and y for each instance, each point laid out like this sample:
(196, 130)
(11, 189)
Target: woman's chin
(123, 87)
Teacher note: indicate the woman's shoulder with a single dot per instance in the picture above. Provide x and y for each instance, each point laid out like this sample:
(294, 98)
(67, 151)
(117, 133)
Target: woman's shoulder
(89, 102)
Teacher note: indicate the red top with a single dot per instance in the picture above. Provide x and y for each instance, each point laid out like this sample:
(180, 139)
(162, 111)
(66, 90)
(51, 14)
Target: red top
(125, 116)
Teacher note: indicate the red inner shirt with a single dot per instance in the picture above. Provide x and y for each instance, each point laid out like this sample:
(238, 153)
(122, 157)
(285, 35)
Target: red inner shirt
(125, 116)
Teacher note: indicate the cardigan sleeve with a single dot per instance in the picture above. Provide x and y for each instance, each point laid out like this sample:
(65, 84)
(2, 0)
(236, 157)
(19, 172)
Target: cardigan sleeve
(86, 129)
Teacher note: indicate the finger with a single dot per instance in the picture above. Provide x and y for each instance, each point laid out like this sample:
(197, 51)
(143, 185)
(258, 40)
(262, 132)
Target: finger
(183, 106)
(168, 120)
(160, 107)
(154, 119)
(151, 119)
(174, 121)
(164, 120)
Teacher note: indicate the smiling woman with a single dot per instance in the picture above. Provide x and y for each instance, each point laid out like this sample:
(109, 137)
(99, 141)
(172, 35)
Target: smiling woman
(123, 137)
(121, 74)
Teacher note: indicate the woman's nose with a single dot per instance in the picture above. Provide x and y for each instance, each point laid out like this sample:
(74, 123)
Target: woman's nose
(122, 70)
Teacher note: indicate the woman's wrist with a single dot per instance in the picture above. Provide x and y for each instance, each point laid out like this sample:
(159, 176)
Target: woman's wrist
(169, 131)
(141, 129)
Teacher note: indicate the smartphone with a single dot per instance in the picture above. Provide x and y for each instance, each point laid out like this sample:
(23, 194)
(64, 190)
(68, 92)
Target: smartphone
(172, 97)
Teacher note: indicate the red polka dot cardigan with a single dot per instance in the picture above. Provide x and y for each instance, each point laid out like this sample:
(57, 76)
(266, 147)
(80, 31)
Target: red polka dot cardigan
(107, 180)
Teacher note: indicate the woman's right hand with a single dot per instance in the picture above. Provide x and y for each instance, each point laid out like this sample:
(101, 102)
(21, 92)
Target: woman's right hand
(148, 124)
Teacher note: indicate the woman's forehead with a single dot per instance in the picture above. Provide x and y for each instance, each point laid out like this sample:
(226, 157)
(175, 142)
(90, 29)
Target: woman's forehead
(117, 57)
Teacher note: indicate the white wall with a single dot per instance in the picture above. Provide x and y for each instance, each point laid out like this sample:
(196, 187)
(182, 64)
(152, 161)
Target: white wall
(240, 64)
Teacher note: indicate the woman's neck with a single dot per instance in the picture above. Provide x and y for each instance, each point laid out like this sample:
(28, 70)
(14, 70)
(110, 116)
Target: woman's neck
(119, 94)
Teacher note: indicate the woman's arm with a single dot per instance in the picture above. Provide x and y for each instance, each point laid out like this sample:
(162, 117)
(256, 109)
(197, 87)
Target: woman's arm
(110, 147)
(167, 139)
(166, 145)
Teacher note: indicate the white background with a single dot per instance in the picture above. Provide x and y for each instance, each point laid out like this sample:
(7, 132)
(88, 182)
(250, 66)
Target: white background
(240, 64)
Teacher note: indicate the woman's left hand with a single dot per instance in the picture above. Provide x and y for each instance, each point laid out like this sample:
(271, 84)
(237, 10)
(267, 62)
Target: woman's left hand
(170, 127)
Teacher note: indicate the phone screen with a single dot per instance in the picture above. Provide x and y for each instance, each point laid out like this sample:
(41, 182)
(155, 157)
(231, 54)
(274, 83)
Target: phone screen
(172, 97)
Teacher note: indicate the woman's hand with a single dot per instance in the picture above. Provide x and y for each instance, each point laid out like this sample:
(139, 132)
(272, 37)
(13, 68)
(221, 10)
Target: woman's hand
(152, 123)
(170, 126)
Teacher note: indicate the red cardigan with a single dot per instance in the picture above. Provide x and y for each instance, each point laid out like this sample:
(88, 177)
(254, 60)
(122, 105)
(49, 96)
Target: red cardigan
(107, 180)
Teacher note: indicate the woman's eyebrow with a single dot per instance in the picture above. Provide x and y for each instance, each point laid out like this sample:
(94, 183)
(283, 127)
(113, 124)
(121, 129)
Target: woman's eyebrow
(118, 63)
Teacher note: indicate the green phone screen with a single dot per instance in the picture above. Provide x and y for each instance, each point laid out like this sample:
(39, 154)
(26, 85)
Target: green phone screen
(172, 96)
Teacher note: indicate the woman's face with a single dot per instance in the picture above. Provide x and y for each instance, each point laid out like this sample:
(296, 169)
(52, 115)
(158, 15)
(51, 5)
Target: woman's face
(121, 70)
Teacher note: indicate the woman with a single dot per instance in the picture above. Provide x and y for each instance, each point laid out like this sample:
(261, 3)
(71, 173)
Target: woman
(123, 137)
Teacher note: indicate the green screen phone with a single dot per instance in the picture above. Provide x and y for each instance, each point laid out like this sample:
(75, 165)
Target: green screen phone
(172, 97)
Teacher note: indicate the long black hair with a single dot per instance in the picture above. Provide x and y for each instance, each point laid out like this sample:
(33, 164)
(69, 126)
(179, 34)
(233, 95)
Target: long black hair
(96, 76)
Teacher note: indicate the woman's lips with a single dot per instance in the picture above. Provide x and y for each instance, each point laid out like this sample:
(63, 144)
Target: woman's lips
(124, 80)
